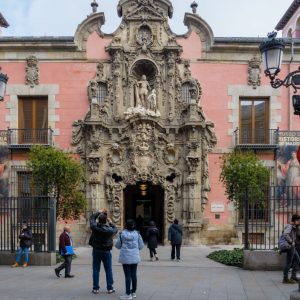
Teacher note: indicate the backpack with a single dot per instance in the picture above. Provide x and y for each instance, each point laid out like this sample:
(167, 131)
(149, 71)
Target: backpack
(283, 244)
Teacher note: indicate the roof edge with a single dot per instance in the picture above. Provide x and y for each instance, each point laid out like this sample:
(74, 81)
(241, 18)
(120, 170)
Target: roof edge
(288, 14)
(3, 22)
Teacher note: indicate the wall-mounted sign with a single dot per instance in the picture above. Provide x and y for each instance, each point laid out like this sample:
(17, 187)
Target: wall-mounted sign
(217, 207)
(289, 137)
(3, 137)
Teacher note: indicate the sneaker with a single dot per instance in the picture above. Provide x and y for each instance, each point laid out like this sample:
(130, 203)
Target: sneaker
(125, 296)
(133, 295)
(111, 291)
(15, 265)
(178, 259)
(156, 258)
(288, 281)
(95, 291)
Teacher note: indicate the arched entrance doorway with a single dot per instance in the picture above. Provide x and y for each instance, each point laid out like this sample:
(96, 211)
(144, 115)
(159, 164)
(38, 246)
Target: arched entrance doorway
(144, 202)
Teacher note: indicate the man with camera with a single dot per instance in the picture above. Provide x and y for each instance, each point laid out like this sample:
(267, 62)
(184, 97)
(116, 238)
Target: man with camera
(101, 240)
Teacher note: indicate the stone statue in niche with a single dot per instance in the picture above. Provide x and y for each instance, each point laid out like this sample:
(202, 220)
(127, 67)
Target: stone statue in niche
(32, 71)
(142, 89)
(92, 91)
(152, 101)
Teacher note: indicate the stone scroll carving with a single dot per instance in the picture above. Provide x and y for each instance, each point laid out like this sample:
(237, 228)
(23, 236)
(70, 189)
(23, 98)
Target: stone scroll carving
(32, 71)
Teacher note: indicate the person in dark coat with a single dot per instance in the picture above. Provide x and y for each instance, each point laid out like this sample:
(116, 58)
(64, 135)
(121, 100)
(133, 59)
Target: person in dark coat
(175, 237)
(152, 235)
(65, 240)
(25, 243)
(101, 240)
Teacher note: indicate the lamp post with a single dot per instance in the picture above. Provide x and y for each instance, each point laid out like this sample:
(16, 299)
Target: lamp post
(272, 52)
(3, 82)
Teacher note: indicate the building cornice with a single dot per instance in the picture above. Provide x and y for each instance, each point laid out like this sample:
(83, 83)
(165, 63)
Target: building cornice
(288, 15)
(3, 22)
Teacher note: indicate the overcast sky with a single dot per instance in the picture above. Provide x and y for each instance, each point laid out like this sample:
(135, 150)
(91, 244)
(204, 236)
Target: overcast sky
(227, 18)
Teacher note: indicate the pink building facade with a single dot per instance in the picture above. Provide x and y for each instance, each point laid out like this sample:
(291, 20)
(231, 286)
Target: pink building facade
(211, 98)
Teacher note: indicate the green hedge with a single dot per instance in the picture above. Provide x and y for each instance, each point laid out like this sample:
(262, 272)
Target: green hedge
(228, 257)
(60, 259)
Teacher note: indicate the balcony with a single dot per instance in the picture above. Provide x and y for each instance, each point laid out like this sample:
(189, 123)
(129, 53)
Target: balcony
(256, 139)
(25, 138)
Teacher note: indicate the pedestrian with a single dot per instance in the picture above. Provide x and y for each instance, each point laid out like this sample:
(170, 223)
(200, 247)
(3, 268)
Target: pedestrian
(152, 235)
(66, 251)
(292, 256)
(130, 243)
(25, 242)
(175, 237)
(101, 240)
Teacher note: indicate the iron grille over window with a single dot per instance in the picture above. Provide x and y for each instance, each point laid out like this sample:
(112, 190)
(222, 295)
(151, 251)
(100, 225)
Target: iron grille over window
(101, 92)
(185, 92)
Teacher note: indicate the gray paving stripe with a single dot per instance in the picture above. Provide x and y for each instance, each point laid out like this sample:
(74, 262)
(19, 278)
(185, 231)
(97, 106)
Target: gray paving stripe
(194, 278)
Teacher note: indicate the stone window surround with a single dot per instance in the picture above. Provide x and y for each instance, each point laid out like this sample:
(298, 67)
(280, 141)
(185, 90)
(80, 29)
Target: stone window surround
(16, 90)
(238, 91)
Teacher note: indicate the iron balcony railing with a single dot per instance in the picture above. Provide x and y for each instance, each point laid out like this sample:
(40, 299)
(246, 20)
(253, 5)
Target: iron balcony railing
(261, 138)
(24, 138)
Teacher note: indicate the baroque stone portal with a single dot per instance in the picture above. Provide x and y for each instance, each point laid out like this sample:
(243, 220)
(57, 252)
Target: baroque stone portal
(146, 125)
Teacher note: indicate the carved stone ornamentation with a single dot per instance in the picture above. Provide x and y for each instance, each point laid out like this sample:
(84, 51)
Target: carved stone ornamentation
(116, 155)
(93, 163)
(32, 71)
(146, 121)
(170, 154)
(254, 77)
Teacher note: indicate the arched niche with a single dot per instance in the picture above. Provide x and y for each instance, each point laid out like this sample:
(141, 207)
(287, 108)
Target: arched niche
(145, 67)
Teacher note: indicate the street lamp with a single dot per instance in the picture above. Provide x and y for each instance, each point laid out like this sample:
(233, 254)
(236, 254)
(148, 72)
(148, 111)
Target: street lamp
(272, 52)
(3, 82)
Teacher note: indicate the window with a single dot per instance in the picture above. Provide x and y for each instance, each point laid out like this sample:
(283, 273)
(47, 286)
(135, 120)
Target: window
(33, 120)
(185, 92)
(101, 92)
(254, 121)
(24, 183)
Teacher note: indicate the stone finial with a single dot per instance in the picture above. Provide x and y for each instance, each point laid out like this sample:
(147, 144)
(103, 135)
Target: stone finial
(94, 5)
(194, 6)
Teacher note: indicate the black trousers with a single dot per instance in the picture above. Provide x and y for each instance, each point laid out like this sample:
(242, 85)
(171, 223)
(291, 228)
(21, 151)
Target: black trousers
(66, 264)
(152, 252)
(177, 248)
(130, 278)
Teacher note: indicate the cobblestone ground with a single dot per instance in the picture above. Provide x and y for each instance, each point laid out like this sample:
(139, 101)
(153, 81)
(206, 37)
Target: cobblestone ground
(195, 278)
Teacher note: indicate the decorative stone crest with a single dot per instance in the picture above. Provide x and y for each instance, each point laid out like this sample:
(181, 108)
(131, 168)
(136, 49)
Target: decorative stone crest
(116, 155)
(254, 77)
(32, 71)
(170, 154)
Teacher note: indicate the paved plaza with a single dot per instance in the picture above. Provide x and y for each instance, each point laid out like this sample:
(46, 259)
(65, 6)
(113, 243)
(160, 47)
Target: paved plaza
(195, 277)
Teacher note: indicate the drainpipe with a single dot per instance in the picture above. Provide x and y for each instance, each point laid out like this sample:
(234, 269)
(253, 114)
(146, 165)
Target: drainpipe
(289, 91)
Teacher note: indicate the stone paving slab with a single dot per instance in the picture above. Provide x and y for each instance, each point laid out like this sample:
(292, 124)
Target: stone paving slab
(194, 278)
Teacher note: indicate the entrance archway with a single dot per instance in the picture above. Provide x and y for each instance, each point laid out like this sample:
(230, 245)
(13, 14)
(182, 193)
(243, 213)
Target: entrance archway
(144, 202)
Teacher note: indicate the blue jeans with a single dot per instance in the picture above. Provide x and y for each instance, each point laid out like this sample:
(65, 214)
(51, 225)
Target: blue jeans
(292, 260)
(130, 277)
(19, 254)
(105, 257)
